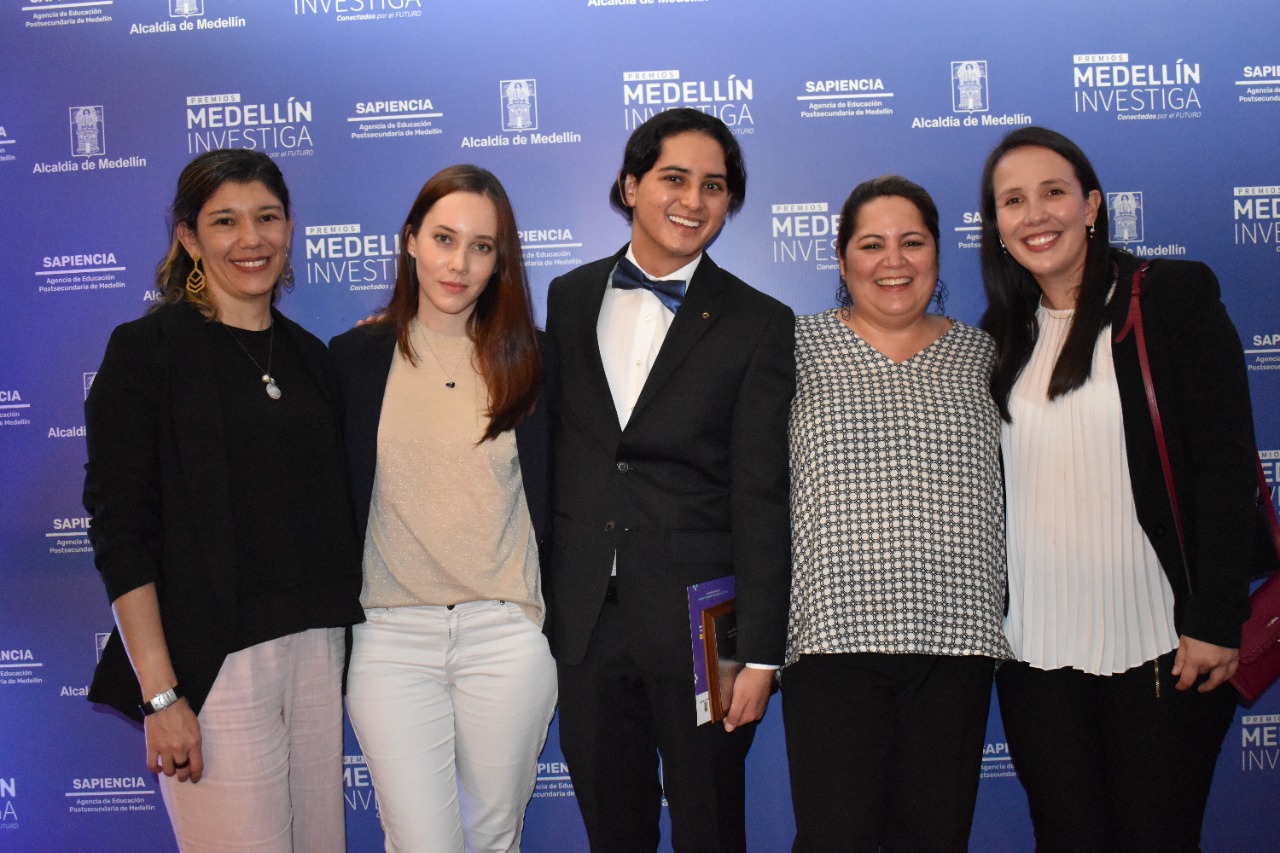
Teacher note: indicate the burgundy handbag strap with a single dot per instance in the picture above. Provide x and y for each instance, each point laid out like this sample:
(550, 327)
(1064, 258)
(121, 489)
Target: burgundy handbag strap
(1269, 510)
(1134, 322)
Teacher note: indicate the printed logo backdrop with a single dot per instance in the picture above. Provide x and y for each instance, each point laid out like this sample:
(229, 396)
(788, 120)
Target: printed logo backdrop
(1177, 103)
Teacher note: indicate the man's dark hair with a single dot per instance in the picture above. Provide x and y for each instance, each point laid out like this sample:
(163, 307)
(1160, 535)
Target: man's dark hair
(645, 145)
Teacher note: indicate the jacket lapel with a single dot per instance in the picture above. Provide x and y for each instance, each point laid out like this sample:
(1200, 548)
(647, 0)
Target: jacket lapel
(587, 340)
(1118, 309)
(698, 313)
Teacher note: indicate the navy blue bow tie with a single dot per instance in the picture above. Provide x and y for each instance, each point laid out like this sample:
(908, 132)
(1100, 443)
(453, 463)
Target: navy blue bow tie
(670, 292)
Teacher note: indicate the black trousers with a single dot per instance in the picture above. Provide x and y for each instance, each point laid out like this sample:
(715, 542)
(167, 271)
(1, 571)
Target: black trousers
(615, 721)
(1108, 762)
(885, 750)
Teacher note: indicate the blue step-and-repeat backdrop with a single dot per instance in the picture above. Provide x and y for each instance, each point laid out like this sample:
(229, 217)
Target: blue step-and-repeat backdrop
(1177, 102)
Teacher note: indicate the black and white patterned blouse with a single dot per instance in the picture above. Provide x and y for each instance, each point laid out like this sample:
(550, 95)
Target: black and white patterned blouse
(896, 502)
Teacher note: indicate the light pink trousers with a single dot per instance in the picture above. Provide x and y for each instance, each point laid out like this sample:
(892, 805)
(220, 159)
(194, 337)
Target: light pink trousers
(451, 707)
(272, 743)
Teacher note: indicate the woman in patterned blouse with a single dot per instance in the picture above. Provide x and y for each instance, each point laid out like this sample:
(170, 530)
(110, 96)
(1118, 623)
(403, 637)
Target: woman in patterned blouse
(898, 573)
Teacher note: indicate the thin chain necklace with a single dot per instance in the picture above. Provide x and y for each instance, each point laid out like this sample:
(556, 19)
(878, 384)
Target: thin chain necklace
(448, 374)
(273, 390)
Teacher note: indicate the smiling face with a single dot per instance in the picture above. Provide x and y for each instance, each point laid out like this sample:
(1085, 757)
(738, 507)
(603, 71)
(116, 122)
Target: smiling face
(241, 238)
(454, 252)
(890, 264)
(1042, 214)
(679, 205)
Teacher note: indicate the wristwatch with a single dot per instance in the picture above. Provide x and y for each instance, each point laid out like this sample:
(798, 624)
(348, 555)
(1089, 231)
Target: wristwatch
(161, 701)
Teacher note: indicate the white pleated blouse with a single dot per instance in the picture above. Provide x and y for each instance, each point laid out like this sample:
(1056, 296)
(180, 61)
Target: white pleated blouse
(1086, 589)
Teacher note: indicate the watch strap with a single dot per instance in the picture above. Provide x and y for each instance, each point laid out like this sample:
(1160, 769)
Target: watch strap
(161, 701)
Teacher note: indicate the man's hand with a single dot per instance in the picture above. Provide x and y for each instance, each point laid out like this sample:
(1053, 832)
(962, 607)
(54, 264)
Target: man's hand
(748, 697)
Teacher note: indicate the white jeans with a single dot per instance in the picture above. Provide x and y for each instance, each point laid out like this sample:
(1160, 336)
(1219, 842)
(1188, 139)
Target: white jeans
(451, 707)
(271, 733)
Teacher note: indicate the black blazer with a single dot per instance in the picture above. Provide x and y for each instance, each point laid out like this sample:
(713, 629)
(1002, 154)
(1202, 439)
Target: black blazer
(1198, 369)
(157, 487)
(697, 485)
(362, 360)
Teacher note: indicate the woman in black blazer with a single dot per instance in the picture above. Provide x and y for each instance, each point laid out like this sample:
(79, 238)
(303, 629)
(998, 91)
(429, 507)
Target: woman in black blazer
(1115, 706)
(222, 527)
(451, 684)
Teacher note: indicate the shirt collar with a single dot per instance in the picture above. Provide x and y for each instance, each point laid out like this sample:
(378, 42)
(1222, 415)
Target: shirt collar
(685, 273)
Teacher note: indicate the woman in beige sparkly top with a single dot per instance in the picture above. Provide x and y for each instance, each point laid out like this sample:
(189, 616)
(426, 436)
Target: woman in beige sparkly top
(452, 685)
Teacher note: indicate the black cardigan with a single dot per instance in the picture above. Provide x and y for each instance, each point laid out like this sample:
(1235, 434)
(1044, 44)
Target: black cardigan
(157, 486)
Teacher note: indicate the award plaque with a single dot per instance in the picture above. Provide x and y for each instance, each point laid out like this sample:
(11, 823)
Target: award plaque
(713, 630)
(720, 638)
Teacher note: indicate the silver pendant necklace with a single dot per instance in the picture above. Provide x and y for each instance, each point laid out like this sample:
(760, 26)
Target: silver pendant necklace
(273, 390)
(448, 374)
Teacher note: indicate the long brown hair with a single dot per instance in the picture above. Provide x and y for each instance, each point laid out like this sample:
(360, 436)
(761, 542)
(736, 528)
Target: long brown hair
(501, 326)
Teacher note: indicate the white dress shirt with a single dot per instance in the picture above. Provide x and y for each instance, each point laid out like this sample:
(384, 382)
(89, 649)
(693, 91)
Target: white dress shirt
(632, 326)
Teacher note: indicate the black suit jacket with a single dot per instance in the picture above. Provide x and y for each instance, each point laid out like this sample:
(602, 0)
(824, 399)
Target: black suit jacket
(158, 489)
(1198, 369)
(697, 485)
(362, 360)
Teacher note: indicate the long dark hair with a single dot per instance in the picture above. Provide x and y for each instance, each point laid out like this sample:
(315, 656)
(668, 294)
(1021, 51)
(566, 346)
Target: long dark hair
(1013, 294)
(201, 178)
(501, 326)
(882, 187)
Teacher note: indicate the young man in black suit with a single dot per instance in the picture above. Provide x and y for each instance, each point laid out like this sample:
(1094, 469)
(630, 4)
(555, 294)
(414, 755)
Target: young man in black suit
(670, 455)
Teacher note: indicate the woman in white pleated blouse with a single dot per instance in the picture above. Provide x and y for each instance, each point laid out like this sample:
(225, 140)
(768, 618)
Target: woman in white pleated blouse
(1116, 705)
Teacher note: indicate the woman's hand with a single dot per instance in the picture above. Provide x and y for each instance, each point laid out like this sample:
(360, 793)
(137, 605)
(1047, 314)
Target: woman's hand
(1196, 658)
(173, 742)
(173, 734)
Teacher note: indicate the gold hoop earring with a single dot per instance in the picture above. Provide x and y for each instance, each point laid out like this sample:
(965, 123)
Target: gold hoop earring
(195, 279)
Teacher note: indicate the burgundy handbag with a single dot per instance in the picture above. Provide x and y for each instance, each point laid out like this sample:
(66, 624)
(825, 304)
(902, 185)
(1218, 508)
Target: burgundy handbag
(1259, 663)
(1260, 642)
